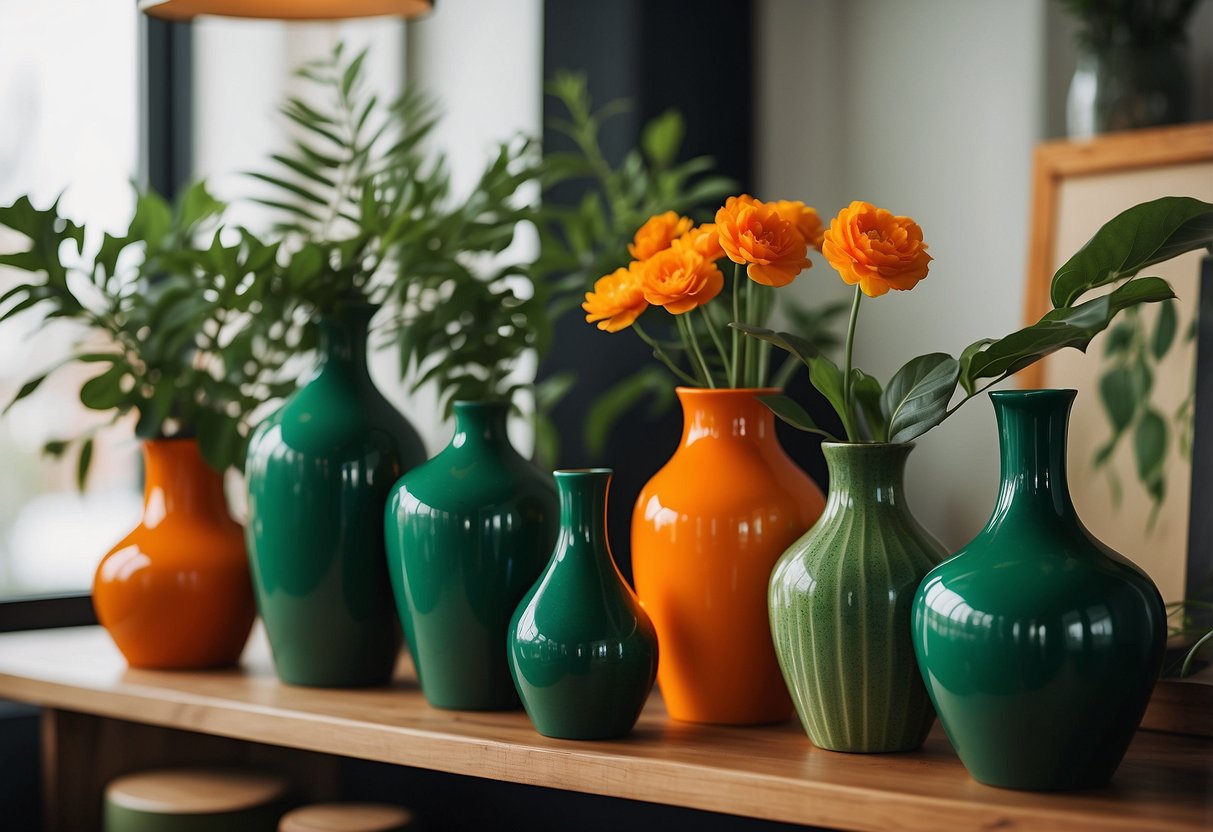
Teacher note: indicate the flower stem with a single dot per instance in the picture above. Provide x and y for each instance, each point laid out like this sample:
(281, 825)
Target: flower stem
(737, 319)
(692, 341)
(750, 355)
(661, 355)
(847, 404)
(724, 358)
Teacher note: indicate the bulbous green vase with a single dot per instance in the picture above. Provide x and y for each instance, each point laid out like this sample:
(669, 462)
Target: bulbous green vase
(319, 471)
(470, 531)
(1039, 645)
(840, 600)
(582, 651)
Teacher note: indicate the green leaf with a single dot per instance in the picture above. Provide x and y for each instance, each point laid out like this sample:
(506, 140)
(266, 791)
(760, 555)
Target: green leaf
(918, 395)
(104, 392)
(966, 359)
(801, 348)
(83, 462)
(1117, 390)
(618, 400)
(788, 410)
(1060, 328)
(1120, 338)
(1149, 451)
(1143, 235)
(867, 393)
(662, 137)
(827, 378)
(152, 221)
(196, 206)
(1164, 329)
(26, 389)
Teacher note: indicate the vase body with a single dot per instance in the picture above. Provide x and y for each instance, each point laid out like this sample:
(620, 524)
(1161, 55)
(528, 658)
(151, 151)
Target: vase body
(1127, 85)
(582, 652)
(706, 532)
(1039, 645)
(470, 531)
(840, 601)
(319, 471)
(175, 592)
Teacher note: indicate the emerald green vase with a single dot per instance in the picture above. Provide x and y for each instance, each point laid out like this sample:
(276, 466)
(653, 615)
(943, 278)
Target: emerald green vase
(470, 531)
(582, 651)
(1039, 645)
(319, 471)
(840, 600)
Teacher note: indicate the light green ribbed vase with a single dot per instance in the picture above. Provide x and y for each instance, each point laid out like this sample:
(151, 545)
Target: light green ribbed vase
(840, 602)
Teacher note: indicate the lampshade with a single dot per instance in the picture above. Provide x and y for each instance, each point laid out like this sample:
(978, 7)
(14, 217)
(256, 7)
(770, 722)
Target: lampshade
(285, 9)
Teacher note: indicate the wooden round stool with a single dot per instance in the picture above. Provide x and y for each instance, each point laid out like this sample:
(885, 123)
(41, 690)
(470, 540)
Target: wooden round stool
(194, 800)
(347, 817)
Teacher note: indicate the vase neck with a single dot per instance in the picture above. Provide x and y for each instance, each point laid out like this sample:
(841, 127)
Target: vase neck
(1032, 428)
(583, 500)
(866, 475)
(343, 336)
(480, 423)
(177, 481)
(725, 414)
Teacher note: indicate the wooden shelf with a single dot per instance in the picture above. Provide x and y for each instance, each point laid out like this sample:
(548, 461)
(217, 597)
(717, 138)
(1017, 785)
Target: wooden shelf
(1165, 783)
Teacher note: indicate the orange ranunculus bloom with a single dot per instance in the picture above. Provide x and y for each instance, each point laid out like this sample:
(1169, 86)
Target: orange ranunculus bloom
(705, 239)
(680, 279)
(757, 234)
(871, 247)
(657, 233)
(805, 218)
(617, 300)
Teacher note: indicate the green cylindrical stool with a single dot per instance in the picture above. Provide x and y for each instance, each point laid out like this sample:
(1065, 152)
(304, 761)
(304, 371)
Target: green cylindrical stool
(194, 800)
(347, 817)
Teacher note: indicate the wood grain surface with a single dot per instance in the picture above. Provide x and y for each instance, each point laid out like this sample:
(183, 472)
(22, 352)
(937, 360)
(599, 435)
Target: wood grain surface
(1165, 783)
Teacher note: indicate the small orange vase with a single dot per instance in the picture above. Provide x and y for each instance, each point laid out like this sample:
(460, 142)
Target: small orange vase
(706, 532)
(176, 592)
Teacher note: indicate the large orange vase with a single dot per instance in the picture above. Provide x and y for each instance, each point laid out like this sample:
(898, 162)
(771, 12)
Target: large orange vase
(176, 592)
(706, 532)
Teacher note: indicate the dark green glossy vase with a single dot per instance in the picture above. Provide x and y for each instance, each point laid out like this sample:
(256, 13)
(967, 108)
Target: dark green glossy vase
(582, 651)
(1039, 645)
(840, 601)
(470, 530)
(319, 471)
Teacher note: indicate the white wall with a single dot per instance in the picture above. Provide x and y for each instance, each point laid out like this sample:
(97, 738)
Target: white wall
(929, 109)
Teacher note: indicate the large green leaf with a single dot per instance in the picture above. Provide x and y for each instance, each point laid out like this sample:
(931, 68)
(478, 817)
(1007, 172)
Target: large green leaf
(1143, 235)
(789, 411)
(916, 398)
(1164, 329)
(801, 348)
(867, 394)
(1073, 326)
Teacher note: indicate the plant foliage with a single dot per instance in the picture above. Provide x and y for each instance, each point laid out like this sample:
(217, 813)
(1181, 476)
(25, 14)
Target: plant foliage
(171, 326)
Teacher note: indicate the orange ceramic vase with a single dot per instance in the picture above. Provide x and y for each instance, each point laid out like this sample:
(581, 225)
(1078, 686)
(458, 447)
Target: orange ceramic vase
(176, 592)
(706, 532)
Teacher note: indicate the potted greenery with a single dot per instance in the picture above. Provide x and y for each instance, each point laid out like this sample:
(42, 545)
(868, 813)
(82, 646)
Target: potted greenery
(170, 326)
(371, 225)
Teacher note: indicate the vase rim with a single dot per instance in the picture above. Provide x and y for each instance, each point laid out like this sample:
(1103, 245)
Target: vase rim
(1036, 393)
(479, 404)
(830, 443)
(683, 390)
(582, 472)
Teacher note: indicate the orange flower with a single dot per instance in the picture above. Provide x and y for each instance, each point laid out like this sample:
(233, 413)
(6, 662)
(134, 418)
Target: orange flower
(705, 239)
(805, 218)
(680, 279)
(657, 233)
(756, 233)
(617, 300)
(871, 247)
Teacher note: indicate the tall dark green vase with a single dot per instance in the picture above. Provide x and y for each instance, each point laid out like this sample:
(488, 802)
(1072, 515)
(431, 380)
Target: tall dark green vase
(1039, 645)
(319, 471)
(582, 651)
(840, 601)
(470, 531)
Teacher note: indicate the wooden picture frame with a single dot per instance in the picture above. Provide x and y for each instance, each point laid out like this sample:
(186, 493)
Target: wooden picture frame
(1077, 187)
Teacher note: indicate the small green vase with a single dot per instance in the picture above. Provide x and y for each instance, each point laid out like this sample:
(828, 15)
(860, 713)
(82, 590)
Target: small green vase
(840, 600)
(1039, 645)
(582, 651)
(469, 531)
(319, 471)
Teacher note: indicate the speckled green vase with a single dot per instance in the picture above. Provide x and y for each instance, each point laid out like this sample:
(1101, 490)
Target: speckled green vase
(319, 471)
(582, 652)
(840, 601)
(1039, 645)
(470, 531)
